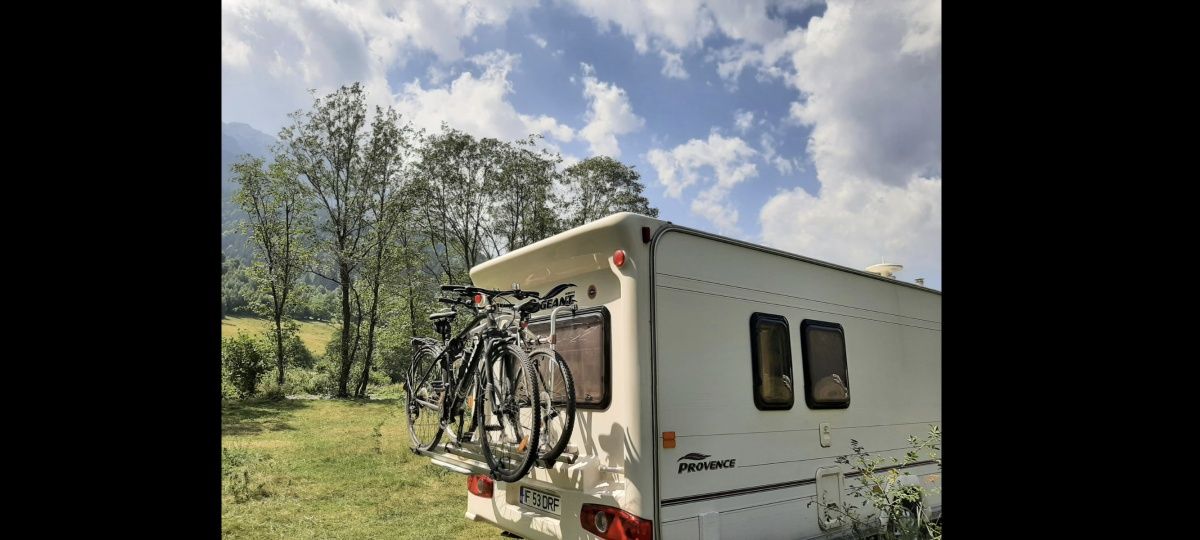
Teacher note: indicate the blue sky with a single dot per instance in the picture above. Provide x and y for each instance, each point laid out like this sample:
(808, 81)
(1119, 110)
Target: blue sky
(837, 154)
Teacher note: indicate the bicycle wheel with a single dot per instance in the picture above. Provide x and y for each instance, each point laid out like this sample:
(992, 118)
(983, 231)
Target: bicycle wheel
(511, 419)
(425, 388)
(558, 404)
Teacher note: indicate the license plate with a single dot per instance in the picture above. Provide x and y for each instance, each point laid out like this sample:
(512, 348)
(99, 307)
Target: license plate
(539, 500)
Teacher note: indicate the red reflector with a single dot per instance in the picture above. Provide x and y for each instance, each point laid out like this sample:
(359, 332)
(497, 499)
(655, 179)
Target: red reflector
(617, 523)
(478, 298)
(619, 258)
(480, 485)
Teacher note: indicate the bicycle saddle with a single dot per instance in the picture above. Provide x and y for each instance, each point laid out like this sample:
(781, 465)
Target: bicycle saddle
(442, 315)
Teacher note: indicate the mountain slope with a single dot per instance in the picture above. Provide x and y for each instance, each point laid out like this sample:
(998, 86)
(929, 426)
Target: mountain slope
(237, 139)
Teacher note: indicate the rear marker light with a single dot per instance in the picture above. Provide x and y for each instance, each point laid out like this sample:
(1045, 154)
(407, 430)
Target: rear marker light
(619, 258)
(613, 523)
(480, 485)
(478, 298)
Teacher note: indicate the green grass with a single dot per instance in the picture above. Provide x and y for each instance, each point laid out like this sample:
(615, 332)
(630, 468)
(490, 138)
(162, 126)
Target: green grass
(334, 469)
(315, 335)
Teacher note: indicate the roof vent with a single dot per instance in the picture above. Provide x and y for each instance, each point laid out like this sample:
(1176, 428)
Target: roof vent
(887, 270)
(921, 281)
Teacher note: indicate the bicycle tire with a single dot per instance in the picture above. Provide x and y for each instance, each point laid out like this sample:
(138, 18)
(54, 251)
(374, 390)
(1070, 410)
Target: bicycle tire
(558, 402)
(510, 414)
(425, 426)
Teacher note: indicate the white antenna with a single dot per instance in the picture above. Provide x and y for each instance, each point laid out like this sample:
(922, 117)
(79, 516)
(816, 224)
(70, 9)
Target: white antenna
(887, 270)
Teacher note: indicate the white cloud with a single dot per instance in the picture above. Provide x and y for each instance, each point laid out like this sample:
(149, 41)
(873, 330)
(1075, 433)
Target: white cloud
(436, 74)
(477, 104)
(682, 24)
(785, 166)
(742, 120)
(723, 215)
(870, 78)
(673, 65)
(728, 159)
(539, 40)
(609, 114)
(679, 24)
(859, 223)
(272, 51)
(875, 111)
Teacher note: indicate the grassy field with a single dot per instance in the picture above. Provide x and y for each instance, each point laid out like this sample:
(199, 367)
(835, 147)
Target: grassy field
(315, 335)
(334, 469)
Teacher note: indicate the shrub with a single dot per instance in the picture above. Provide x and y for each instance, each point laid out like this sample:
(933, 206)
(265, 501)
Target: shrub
(297, 355)
(245, 360)
(295, 381)
(890, 499)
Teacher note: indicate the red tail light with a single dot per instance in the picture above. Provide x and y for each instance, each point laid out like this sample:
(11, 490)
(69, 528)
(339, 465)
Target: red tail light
(613, 523)
(619, 258)
(480, 485)
(478, 298)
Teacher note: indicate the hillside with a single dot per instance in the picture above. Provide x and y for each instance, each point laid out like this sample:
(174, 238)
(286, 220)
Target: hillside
(237, 139)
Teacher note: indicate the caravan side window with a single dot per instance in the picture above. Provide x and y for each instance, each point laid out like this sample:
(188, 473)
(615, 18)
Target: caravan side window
(823, 346)
(771, 357)
(583, 342)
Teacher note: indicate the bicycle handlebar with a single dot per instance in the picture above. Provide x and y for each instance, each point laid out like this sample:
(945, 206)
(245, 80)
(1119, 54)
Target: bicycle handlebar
(467, 290)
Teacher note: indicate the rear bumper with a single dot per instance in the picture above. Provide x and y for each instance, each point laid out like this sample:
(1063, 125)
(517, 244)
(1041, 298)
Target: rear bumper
(503, 511)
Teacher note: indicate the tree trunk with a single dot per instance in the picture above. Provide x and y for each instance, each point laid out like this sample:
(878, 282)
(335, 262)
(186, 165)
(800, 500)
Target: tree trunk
(366, 372)
(412, 309)
(374, 319)
(344, 373)
(279, 347)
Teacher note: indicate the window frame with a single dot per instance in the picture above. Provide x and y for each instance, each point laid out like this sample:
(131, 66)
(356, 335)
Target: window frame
(805, 357)
(607, 321)
(755, 362)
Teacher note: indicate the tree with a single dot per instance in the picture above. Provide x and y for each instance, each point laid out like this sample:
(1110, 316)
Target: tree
(389, 162)
(457, 177)
(600, 186)
(325, 147)
(276, 218)
(525, 208)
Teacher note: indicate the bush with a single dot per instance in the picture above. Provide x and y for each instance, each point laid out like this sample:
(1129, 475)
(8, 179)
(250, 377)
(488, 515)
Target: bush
(245, 360)
(297, 355)
(295, 381)
(228, 391)
(889, 498)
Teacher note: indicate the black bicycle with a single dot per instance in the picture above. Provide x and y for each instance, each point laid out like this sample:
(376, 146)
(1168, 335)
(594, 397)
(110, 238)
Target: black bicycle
(553, 376)
(479, 381)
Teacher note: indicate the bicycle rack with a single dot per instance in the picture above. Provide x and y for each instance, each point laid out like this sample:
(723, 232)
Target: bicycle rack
(467, 458)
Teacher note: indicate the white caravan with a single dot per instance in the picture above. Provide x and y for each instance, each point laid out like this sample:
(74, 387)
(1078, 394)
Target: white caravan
(716, 382)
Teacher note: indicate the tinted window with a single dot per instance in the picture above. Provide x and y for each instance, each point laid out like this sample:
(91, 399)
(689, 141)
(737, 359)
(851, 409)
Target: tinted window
(827, 380)
(583, 343)
(771, 360)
